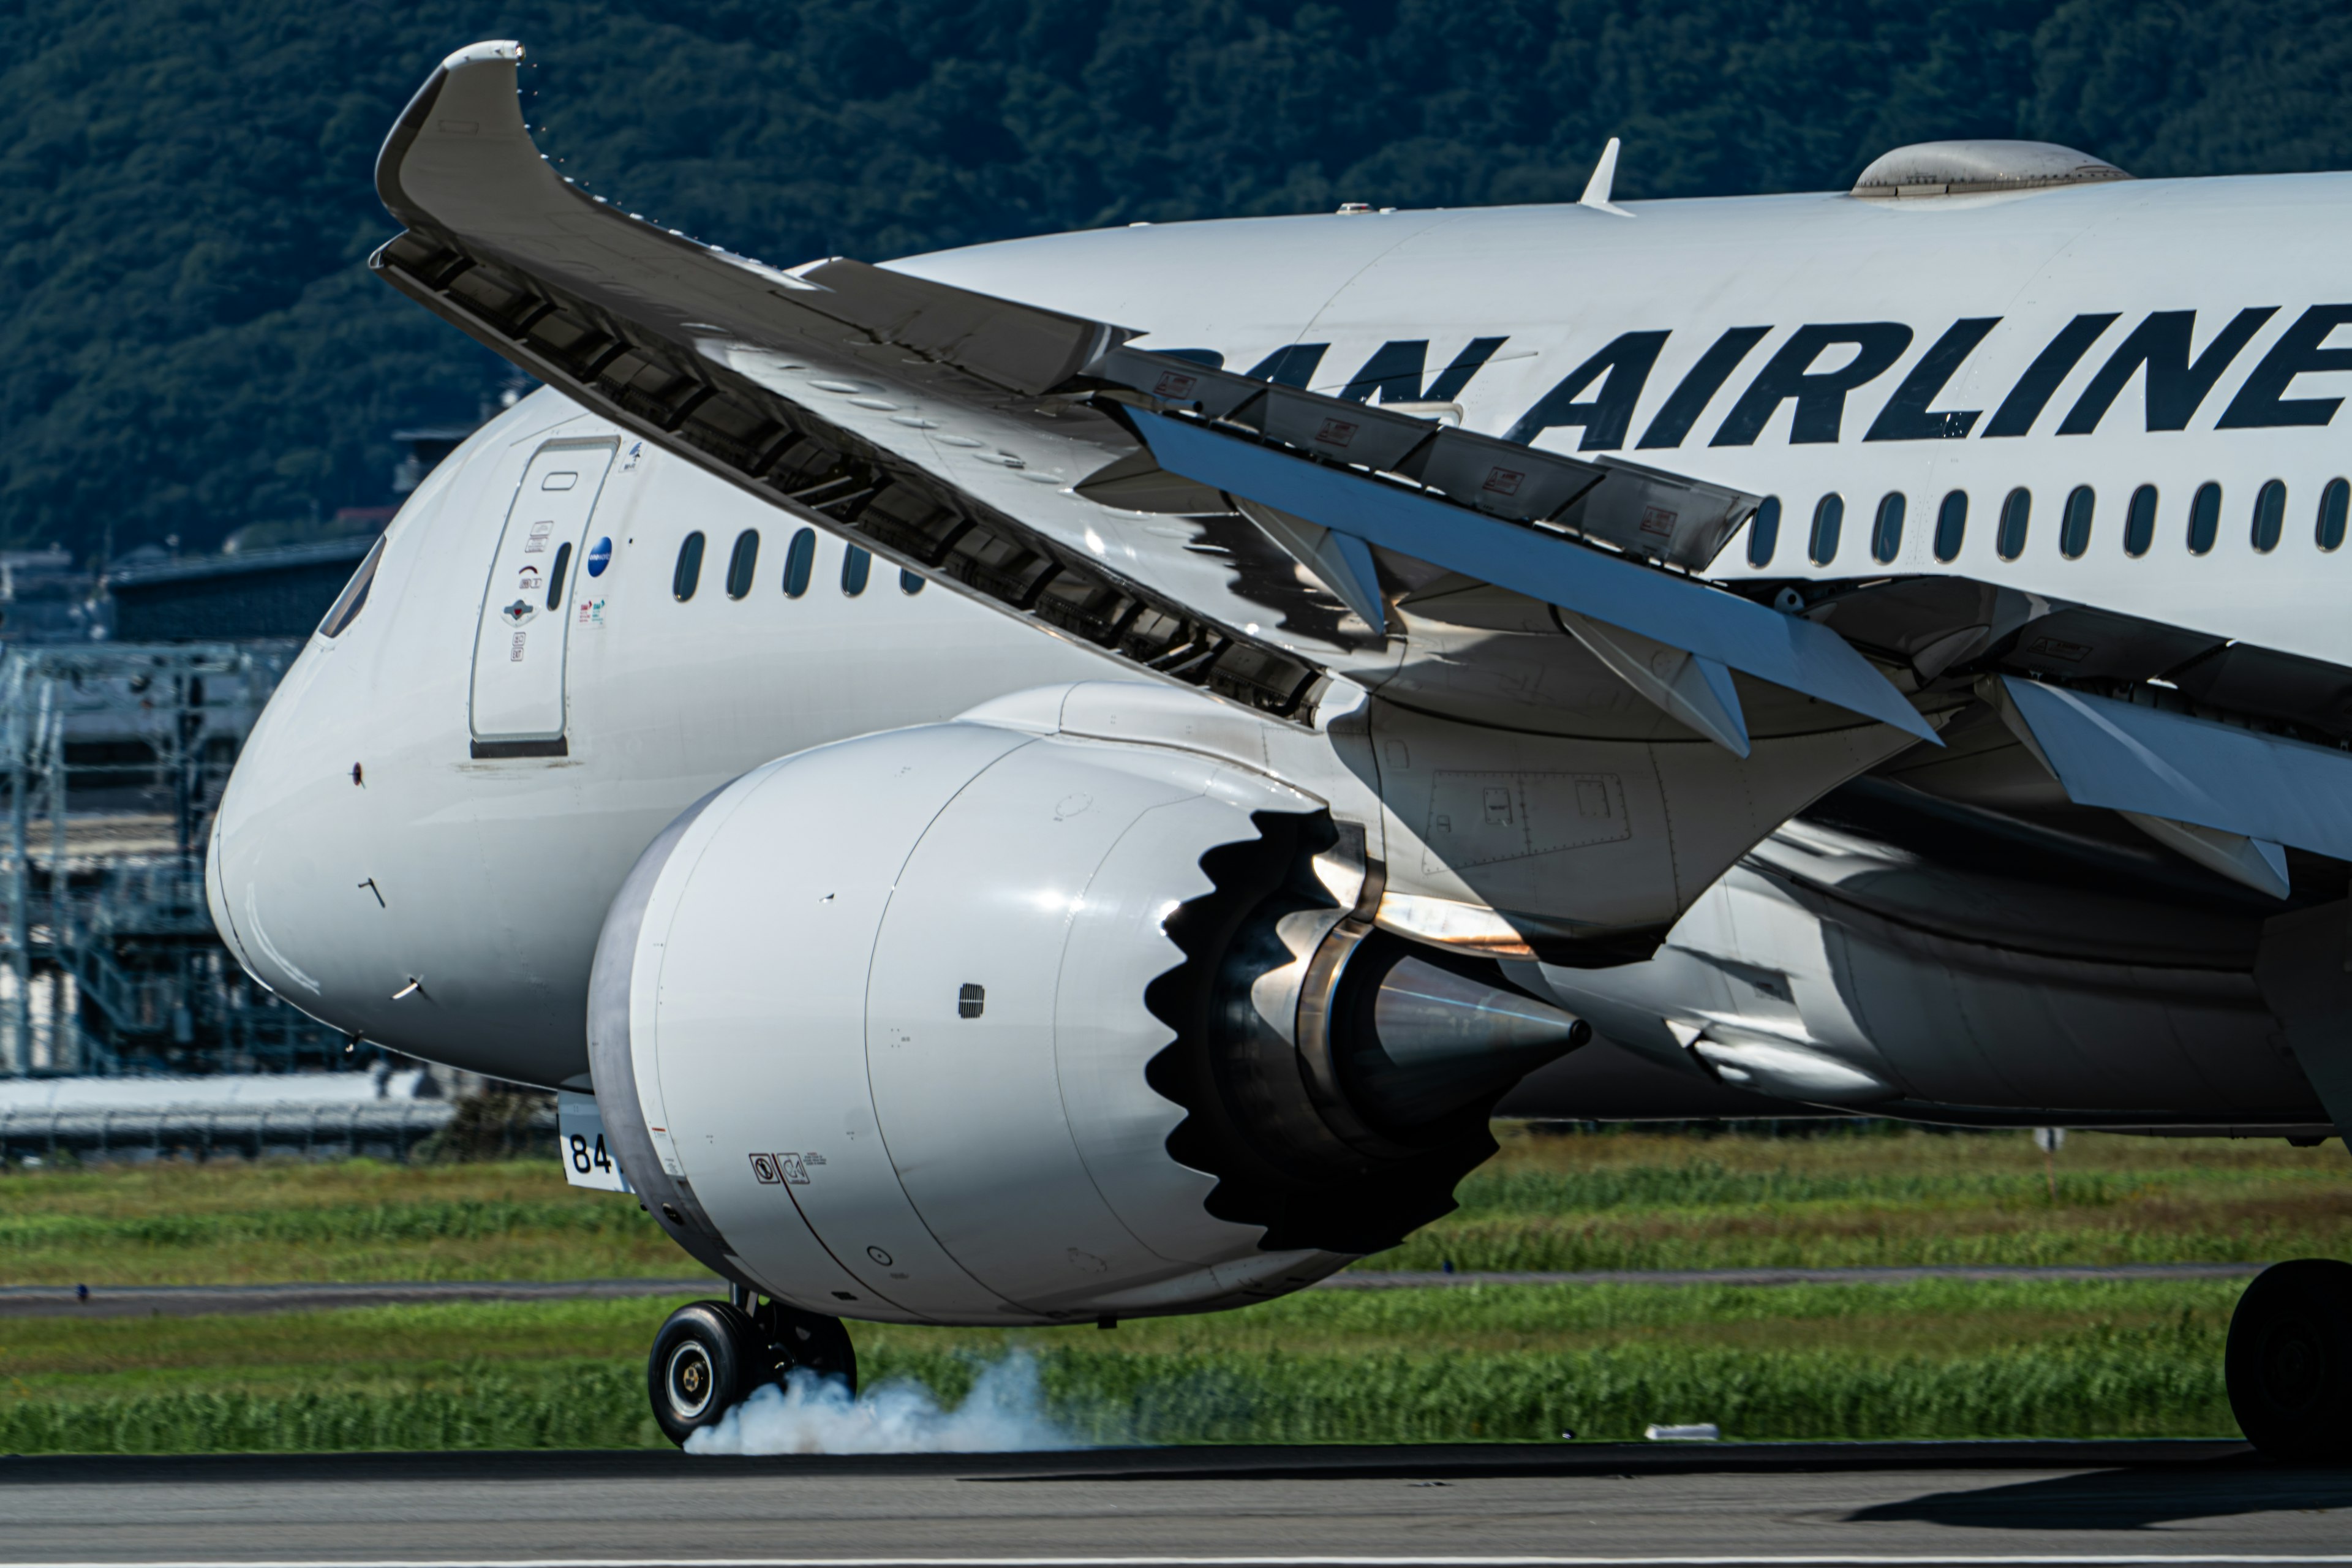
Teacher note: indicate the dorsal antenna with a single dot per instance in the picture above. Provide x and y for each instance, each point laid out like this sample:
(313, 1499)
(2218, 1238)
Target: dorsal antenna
(1604, 175)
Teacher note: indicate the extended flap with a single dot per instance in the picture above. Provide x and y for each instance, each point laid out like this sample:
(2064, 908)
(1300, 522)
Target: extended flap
(2126, 757)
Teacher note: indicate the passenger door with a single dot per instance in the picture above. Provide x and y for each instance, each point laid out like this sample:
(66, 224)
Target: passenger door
(517, 695)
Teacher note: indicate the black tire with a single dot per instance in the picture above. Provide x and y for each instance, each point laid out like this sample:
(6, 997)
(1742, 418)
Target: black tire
(705, 1359)
(2289, 1361)
(792, 1339)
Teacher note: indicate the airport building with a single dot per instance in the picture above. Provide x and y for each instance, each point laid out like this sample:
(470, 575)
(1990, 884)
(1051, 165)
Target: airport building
(126, 692)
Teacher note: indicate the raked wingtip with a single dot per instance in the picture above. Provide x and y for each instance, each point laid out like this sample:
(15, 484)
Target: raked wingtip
(487, 50)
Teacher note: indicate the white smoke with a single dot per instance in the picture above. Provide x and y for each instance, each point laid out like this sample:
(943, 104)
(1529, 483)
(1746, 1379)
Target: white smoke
(1004, 1413)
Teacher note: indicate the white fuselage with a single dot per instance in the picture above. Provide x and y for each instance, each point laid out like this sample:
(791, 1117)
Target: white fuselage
(376, 873)
(1559, 284)
(493, 875)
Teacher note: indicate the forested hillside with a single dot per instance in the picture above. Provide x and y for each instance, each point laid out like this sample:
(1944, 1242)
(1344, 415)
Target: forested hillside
(193, 341)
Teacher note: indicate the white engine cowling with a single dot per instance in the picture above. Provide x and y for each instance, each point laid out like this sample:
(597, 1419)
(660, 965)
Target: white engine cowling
(901, 1028)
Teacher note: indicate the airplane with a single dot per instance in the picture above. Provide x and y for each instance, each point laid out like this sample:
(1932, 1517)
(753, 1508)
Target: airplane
(1065, 779)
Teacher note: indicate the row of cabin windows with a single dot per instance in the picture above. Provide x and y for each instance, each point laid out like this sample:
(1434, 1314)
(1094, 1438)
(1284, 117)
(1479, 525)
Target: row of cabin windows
(2074, 519)
(800, 562)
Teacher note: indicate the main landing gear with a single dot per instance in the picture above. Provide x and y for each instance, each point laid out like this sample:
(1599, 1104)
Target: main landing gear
(709, 1355)
(2289, 1361)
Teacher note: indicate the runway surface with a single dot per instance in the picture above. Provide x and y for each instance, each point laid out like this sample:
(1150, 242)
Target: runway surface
(204, 1301)
(1373, 1280)
(1909, 1503)
(198, 1301)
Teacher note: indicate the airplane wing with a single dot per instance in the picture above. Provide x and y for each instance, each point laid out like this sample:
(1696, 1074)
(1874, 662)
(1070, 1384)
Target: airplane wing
(1251, 539)
(1257, 540)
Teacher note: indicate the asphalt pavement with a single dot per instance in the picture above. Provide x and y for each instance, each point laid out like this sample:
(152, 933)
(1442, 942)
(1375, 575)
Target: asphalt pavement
(2060, 1503)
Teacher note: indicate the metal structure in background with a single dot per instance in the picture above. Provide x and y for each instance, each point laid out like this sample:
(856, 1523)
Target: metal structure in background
(128, 685)
(389, 1130)
(389, 1112)
(115, 755)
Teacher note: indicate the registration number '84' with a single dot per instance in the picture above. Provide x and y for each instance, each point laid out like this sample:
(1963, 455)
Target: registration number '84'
(587, 1157)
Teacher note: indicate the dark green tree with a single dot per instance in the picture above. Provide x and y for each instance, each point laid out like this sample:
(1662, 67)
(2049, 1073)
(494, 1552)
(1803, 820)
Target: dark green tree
(193, 342)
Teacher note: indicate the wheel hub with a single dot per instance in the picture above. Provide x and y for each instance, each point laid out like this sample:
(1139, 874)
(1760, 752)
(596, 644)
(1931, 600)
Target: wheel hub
(691, 1381)
(2289, 1360)
(2292, 1365)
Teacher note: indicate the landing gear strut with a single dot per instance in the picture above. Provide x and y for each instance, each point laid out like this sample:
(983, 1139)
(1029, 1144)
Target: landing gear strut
(792, 1341)
(711, 1356)
(2289, 1361)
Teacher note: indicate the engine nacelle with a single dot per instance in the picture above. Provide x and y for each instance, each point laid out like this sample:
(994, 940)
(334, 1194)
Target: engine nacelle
(960, 1024)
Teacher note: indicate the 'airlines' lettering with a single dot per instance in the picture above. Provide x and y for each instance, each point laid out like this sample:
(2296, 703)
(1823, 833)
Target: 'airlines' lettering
(2033, 390)
(1393, 373)
(2262, 402)
(1820, 395)
(1292, 366)
(2175, 384)
(1599, 397)
(1705, 379)
(1905, 416)
(1622, 368)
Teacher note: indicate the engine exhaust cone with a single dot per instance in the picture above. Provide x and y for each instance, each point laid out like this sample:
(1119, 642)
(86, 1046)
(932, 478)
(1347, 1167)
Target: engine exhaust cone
(1440, 1040)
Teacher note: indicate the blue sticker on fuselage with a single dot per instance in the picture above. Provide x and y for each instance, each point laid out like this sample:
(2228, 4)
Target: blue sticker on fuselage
(600, 555)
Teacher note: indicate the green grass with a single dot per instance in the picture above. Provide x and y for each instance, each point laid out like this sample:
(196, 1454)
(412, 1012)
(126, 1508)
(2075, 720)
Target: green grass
(1653, 1201)
(1934, 1358)
(1465, 1365)
(228, 1222)
(1618, 1201)
(1108, 1399)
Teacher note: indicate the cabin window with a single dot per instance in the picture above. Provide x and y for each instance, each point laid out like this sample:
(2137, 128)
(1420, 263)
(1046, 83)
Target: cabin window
(857, 565)
(741, 562)
(1951, 525)
(689, 567)
(354, 596)
(2204, 518)
(1764, 532)
(555, 574)
(1829, 516)
(2016, 514)
(2140, 521)
(2334, 501)
(800, 559)
(2270, 515)
(911, 582)
(2074, 526)
(1886, 530)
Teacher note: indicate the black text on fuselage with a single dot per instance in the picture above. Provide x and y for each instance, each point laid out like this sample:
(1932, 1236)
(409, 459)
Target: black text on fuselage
(1600, 397)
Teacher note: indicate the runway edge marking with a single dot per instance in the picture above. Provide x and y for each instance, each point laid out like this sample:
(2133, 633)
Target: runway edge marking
(1251, 1559)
